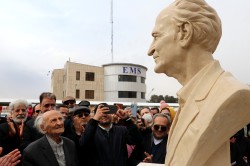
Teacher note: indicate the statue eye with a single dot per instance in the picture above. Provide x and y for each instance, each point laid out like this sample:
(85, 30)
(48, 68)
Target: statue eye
(156, 35)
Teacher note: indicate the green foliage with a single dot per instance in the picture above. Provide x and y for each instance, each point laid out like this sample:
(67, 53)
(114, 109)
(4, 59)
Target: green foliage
(158, 98)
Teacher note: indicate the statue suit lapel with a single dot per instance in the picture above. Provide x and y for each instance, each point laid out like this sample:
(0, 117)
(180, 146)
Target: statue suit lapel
(190, 110)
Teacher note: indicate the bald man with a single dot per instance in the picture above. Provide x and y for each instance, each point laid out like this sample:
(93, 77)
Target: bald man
(52, 148)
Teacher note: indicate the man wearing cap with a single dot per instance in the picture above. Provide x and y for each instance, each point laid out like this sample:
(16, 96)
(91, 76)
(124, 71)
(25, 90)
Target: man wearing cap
(85, 103)
(106, 142)
(79, 119)
(69, 101)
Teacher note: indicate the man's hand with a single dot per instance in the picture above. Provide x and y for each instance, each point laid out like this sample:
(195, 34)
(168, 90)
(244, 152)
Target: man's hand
(100, 112)
(121, 114)
(10, 159)
(149, 158)
(12, 130)
(21, 129)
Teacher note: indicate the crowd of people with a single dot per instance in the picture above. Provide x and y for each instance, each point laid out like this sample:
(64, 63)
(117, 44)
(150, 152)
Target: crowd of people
(80, 134)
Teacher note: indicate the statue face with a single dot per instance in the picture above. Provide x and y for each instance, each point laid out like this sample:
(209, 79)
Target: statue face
(164, 48)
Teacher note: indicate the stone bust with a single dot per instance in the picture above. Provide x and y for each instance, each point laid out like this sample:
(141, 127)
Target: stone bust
(213, 104)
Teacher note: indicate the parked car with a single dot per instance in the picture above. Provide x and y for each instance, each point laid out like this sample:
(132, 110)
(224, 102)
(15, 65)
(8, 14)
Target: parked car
(5, 114)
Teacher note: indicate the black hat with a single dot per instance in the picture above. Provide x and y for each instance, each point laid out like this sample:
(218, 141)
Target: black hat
(81, 109)
(84, 103)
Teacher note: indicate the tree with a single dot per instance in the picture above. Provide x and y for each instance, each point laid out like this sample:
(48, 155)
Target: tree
(154, 99)
(170, 99)
(158, 98)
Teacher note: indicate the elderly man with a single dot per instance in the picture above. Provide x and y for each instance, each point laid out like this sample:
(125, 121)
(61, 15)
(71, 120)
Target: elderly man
(213, 104)
(51, 149)
(74, 130)
(11, 132)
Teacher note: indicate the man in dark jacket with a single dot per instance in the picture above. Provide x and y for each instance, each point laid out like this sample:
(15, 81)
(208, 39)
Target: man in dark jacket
(107, 142)
(51, 149)
(153, 147)
(11, 132)
(75, 129)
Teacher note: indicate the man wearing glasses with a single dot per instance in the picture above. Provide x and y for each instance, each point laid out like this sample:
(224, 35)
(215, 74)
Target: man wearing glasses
(30, 134)
(153, 147)
(74, 130)
(36, 110)
(69, 101)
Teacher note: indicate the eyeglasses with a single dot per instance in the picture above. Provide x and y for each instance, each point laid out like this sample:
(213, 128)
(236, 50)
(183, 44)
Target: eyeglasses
(49, 105)
(157, 127)
(69, 102)
(37, 111)
(82, 114)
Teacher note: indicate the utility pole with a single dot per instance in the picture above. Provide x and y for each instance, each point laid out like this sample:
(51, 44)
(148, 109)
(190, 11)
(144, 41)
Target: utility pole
(111, 19)
(150, 93)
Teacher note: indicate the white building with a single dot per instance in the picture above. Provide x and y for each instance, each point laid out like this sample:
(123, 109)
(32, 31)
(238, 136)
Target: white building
(124, 82)
(118, 82)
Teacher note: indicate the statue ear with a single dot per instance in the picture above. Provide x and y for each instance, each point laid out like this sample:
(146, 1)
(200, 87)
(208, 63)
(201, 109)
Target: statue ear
(185, 34)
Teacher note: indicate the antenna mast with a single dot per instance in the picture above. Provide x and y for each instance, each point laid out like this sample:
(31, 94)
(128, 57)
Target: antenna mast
(112, 31)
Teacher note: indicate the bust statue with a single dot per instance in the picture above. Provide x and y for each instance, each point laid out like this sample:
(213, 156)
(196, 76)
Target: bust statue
(213, 104)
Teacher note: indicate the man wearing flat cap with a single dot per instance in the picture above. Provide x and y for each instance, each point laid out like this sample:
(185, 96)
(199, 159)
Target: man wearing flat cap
(69, 101)
(85, 103)
(74, 130)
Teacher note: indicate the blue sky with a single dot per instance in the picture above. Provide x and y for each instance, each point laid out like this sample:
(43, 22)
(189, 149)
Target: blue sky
(39, 36)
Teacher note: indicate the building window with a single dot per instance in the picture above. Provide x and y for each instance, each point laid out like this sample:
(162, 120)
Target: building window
(142, 95)
(143, 80)
(89, 94)
(90, 76)
(126, 94)
(126, 78)
(77, 75)
(77, 93)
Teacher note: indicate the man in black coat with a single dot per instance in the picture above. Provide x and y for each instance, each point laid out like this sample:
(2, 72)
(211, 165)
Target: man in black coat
(153, 147)
(106, 142)
(75, 128)
(51, 149)
(11, 132)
